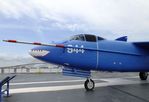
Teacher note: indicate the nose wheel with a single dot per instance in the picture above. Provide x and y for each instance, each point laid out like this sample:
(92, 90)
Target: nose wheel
(89, 85)
(143, 75)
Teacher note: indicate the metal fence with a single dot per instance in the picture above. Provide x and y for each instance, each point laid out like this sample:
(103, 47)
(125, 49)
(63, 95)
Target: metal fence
(30, 70)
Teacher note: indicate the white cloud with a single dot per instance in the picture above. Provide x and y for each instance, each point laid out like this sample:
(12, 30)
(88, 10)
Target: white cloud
(116, 16)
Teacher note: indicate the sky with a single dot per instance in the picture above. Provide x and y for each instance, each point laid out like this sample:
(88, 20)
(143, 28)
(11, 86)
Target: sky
(54, 20)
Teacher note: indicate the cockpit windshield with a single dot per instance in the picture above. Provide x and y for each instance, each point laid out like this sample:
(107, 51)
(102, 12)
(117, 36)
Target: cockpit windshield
(90, 38)
(86, 37)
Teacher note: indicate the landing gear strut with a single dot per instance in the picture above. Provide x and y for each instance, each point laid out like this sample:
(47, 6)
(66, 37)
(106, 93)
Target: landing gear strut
(89, 84)
(143, 75)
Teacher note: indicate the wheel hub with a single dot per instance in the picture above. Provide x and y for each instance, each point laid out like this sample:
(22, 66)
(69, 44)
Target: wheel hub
(90, 85)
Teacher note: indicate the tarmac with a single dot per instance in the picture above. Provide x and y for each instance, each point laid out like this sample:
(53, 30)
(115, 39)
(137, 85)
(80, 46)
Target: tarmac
(110, 87)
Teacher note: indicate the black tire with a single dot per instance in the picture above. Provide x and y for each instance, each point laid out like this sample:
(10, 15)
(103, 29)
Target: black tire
(89, 85)
(143, 75)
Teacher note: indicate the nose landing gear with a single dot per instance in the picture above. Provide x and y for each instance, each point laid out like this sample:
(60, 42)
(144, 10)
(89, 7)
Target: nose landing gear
(89, 84)
(143, 75)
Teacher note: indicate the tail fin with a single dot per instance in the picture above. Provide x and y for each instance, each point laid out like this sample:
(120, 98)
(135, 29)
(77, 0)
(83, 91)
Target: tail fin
(124, 38)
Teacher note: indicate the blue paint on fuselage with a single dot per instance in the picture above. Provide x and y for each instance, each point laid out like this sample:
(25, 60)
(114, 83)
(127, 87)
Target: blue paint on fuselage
(122, 56)
(86, 60)
(107, 56)
(52, 57)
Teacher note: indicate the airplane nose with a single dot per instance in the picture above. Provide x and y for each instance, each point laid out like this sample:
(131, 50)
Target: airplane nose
(38, 52)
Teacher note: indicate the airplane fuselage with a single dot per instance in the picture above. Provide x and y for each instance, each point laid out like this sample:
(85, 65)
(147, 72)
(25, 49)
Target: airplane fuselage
(83, 53)
(102, 55)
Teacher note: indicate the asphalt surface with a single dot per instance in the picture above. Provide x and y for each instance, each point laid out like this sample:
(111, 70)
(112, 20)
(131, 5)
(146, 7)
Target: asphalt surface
(110, 87)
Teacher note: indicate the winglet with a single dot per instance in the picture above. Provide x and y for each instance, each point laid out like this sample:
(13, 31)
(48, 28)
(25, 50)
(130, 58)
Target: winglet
(124, 38)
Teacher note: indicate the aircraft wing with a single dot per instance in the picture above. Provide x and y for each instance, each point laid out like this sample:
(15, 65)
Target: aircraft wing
(144, 45)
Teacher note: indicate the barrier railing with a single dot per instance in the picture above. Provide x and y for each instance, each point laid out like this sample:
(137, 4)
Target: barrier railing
(6, 90)
(30, 70)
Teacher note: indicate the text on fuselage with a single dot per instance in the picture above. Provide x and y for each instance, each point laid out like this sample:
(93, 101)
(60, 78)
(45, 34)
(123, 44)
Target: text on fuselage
(76, 49)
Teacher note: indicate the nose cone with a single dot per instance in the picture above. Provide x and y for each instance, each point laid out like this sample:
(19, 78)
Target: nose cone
(38, 52)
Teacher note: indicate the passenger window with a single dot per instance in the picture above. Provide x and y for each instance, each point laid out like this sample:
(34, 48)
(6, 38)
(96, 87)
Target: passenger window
(91, 38)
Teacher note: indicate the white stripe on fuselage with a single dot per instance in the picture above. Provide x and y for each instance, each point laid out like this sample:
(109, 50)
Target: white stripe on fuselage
(45, 82)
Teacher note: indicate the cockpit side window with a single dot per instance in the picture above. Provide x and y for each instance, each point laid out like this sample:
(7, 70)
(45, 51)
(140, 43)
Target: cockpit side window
(91, 38)
(100, 38)
(78, 37)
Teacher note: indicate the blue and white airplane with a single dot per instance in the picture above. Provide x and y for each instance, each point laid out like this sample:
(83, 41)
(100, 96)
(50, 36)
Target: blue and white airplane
(84, 53)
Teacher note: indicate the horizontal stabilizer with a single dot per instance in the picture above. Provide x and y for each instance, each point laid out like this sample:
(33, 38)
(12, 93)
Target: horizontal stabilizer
(124, 38)
(76, 72)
